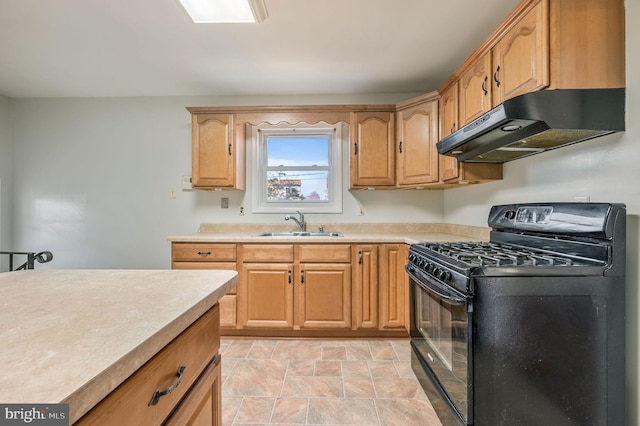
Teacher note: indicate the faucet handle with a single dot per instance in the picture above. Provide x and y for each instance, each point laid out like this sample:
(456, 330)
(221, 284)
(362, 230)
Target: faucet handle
(320, 228)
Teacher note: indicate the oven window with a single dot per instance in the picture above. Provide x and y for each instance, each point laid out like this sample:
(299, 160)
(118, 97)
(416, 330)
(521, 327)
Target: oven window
(443, 342)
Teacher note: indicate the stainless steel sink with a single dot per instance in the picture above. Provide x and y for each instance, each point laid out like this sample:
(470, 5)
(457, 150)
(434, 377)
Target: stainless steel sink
(300, 234)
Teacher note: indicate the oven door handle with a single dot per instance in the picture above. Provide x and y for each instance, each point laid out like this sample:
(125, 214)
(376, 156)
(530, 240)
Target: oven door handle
(427, 283)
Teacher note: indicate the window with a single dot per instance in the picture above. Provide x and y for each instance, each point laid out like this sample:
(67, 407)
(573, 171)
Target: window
(297, 168)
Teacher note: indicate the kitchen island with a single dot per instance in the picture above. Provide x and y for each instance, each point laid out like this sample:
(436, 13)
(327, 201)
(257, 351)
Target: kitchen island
(74, 336)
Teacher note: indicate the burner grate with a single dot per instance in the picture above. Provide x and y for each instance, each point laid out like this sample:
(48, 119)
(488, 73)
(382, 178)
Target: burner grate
(491, 254)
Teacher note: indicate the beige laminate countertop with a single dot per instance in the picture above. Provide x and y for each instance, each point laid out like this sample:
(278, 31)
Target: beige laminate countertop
(351, 233)
(72, 336)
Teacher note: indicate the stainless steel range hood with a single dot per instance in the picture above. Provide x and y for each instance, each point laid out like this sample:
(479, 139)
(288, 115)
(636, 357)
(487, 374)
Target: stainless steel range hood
(535, 122)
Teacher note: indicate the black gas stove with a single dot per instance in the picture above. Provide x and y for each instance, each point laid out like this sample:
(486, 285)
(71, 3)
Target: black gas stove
(527, 328)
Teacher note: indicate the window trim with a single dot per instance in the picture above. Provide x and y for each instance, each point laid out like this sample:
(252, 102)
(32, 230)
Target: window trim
(258, 166)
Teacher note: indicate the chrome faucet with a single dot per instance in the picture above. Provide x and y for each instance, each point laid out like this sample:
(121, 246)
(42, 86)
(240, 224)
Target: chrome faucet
(302, 225)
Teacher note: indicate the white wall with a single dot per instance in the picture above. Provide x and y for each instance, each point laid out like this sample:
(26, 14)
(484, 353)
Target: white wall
(91, 181)
(605, 169)
(6, 169)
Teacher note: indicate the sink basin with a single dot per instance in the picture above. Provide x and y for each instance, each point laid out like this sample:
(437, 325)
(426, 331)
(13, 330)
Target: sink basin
(300, 234)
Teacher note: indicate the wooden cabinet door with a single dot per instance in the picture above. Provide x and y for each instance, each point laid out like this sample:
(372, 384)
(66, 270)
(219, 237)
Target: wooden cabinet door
(448, 124)
(203, 403)
(365, 286)
(214, 152)
(372, 153)
(323, 297)
(417, 157)
(521, 57)
(475, 90)
(265, 295)
(394, 296)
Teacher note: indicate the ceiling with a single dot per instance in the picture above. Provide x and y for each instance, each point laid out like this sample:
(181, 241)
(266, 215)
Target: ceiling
(98, 48)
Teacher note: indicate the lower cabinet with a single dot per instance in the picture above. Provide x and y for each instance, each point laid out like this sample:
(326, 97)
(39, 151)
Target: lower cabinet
(394, 288)
(301, 294)
(202, 406)
(189, 365)
(292, 289)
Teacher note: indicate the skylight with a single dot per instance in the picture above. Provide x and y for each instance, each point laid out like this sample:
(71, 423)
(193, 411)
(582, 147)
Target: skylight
(225, 11)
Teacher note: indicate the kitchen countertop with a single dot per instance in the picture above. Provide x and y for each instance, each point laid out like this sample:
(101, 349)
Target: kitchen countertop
(352, 233)
(72, 336)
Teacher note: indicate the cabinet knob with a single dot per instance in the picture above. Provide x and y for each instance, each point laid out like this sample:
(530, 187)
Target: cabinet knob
(160, 393)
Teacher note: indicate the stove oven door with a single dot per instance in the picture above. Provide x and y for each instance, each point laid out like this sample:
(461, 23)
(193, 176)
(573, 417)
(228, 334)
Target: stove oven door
(441, 343)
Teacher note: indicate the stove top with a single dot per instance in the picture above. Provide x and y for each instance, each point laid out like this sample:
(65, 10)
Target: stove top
(480, 254)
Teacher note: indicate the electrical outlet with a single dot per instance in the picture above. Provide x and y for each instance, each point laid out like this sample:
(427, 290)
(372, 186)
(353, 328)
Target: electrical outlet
(360, 210)
(241, 211)
(172, 192)
(224, 203)
(186, 183)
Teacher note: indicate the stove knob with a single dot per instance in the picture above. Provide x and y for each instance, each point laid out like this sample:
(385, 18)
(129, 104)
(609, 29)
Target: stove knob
(423, 264)
(445, 276)
(436, 272)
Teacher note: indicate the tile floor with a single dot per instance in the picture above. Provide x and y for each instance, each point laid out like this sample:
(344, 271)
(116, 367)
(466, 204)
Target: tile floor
(321, 382)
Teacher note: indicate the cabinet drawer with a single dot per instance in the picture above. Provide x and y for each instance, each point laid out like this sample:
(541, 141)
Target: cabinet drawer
(203, 252)
(324, 253)
(267, 253)
(129, 403)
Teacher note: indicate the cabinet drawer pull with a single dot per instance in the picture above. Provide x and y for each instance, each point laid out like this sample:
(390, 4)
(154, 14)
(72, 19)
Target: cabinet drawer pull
(230, 149)
(204, 253)
(360, 257)
(400, 147)
(484, 84)
(495, 76)
(355, 149)
(302, 276)
(289, 274)
(160, 393)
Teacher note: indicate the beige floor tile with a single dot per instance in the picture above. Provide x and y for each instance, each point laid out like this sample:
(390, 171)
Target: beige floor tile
(301, 367)
(290, 410)
(255, 410)
(383, 369)
(338, 353)
(328, 368)
(237, 348)
(255, 377)
(383, 353)
(313, 382)
(358, 387)
(314, 386)
(406, 412)
(338, 411)
(356, 368)
(358, 353)
(230, 405)
(297, 349)
(398, 388)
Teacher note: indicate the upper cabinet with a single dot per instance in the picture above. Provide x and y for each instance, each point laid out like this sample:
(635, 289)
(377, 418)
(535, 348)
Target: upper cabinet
(520, 59)
(416, 137)
(372, 152)
(475, 90)
(218, 160)
(542, 44)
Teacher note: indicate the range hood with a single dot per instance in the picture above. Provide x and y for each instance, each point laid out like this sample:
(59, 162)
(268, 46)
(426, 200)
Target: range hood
(535, 122)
